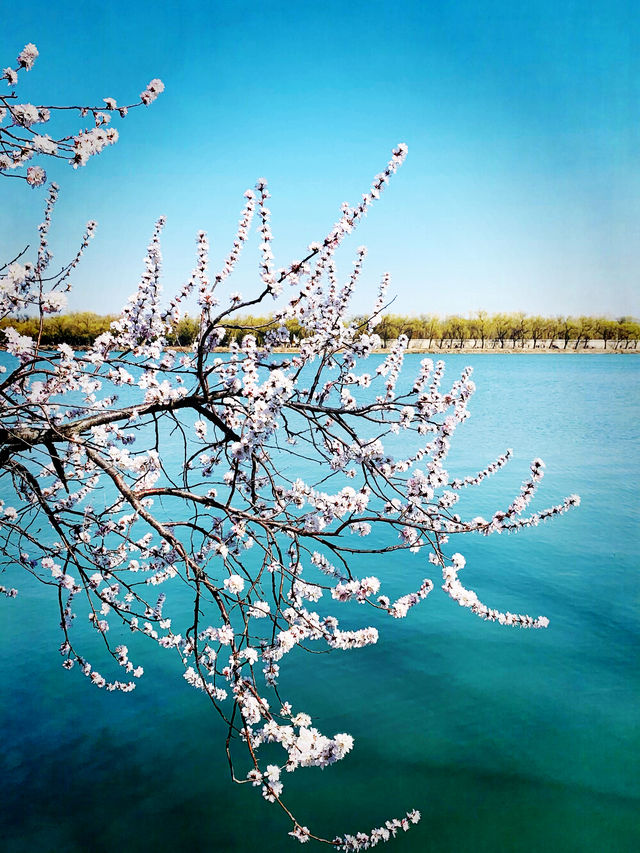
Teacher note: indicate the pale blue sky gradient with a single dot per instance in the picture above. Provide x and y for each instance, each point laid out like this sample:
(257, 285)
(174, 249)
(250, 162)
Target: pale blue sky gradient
(522, 186)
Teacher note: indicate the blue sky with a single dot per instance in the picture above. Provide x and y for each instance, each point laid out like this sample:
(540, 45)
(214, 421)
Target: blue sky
(521, 190)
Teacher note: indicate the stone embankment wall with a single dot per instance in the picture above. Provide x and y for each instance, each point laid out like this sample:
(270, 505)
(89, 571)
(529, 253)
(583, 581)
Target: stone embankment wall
(553, 346)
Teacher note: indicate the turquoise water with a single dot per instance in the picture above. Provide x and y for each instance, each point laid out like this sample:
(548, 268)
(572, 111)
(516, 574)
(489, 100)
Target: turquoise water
(506, 740)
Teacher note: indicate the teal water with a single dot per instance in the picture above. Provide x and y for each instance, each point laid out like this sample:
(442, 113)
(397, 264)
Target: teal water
(506, 740)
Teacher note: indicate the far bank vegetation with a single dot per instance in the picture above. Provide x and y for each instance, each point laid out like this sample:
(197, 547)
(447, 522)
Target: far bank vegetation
(427, 331)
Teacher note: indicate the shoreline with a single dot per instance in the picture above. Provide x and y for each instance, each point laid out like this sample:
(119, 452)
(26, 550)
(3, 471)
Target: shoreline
(460, 351)
(434, 351)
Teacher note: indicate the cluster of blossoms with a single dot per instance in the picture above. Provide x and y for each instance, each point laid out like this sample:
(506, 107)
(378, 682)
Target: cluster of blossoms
(363, 840)
(494, 466)
(468, 598)
(21, 139)
(32, 286)
(154, 88)
(263, 551)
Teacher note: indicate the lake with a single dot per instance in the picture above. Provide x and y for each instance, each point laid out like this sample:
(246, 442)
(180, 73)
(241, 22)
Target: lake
(504, 739)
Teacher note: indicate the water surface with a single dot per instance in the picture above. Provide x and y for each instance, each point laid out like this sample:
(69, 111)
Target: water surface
(506, 740)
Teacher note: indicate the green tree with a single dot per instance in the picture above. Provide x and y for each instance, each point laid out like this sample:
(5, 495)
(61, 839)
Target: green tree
(538, 328)
(567, 329)
(388, 328)
(480, 327)
(501, 328)
(186, 330)
(432, 327)
(626, 331)
(454, 328)
(586, 330)
(518, 327)
(605, 329)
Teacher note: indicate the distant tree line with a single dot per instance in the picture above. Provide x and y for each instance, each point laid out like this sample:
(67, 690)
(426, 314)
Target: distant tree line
(485, 330)
(496, 330)
(79, 329)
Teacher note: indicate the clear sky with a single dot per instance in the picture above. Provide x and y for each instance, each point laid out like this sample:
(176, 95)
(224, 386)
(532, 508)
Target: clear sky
(521, 190)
